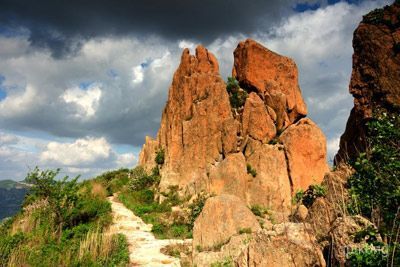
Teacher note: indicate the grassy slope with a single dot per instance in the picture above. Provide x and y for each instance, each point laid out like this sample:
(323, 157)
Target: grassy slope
(78, 237)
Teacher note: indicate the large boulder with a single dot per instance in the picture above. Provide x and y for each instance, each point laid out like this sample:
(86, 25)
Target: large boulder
(267, 73)
(375, 80)
(222, 217)
(305, 147)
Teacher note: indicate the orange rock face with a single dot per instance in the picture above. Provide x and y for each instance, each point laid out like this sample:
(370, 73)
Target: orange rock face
(261, 70)
(375, 80)
(210, 143)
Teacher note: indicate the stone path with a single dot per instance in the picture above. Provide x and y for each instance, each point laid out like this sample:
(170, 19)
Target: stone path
(144, 248)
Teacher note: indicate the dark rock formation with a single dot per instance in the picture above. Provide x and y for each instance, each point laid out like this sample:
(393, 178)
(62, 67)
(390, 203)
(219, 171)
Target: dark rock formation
(375, 80)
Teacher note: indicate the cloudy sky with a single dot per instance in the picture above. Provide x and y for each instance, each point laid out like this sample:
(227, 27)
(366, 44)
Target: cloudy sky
(83, 82)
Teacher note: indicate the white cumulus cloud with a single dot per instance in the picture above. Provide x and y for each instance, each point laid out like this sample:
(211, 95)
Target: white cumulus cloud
(86, 101)
(81, 152)
(137, 73)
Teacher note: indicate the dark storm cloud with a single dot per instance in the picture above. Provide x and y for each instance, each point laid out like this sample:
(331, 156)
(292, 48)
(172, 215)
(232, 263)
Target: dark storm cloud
(62, 25)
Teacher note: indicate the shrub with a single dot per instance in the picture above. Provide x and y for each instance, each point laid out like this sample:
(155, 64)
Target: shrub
(368, 256)
(369, 235)
(160, 156)
(62, 195)
(141, 180)
(7, 245)
(308, 197)
(237, 96)
(312, 193)
(225, 263)
(58, 216)
(259, 210)
(375, 185)
(251, 171)
(298, 196)
(232, 84)
(114, 181)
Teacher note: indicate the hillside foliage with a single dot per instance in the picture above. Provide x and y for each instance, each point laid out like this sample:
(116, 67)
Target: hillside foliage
(62, 223)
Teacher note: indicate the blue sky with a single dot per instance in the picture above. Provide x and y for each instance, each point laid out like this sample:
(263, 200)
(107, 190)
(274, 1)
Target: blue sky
(83, 97)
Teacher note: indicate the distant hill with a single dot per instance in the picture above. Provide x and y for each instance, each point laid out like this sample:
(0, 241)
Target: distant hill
(12, 194)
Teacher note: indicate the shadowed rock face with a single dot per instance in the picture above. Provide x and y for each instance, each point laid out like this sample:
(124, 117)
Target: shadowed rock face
(375, 80)
(209, 143)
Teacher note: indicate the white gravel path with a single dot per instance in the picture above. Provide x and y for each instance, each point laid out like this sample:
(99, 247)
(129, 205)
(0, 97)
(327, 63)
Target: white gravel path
(144, 248)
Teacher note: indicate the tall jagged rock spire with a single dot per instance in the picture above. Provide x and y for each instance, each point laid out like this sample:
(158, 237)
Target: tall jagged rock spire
(261, 149)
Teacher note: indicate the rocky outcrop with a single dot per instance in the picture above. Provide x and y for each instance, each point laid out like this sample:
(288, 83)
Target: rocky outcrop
(251, 140)
(324, 211)
(222, 217)
(230, 176)
(375, 80)
(192, 122)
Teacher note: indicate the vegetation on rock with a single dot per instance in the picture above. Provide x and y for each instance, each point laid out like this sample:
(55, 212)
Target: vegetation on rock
(160, 157)
(237, 96)
(308, 197)
(251, 171)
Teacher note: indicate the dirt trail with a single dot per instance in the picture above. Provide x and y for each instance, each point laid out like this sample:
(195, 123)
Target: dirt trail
(144, 248)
